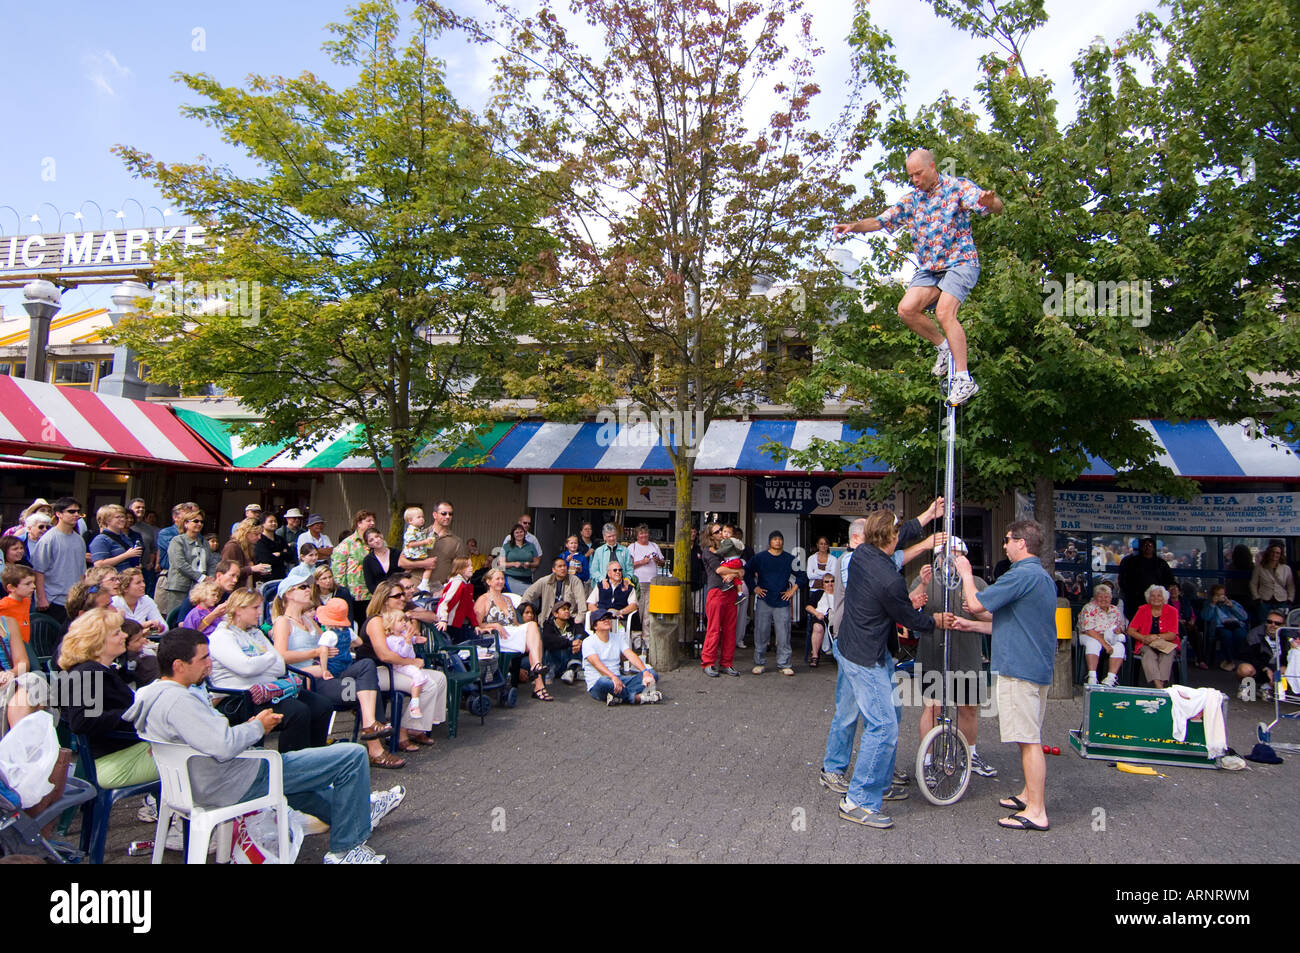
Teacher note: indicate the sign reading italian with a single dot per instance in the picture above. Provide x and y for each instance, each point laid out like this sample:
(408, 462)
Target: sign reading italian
(1210, 514)
(594, 491)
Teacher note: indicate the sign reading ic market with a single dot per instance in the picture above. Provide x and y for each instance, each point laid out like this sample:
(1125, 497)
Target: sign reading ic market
(850, 496)
(98, 249)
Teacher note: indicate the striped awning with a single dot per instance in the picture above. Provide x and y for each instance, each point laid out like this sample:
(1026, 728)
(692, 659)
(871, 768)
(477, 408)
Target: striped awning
(728, 445)
(1207, 449)
(346, 449)
(45, 422)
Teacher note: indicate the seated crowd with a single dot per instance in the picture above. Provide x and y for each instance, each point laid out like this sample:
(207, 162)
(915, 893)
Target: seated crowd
(281, 629)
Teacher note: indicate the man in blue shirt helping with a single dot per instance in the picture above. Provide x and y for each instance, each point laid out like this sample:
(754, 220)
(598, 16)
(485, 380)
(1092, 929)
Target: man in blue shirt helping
(1022, 608)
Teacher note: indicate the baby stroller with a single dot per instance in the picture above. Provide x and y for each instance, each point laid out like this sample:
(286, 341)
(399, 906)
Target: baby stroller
(474, 667)
(21, 834)
(1287, 689)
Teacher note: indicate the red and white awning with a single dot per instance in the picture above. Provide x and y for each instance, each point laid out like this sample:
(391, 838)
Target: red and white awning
(46, 422)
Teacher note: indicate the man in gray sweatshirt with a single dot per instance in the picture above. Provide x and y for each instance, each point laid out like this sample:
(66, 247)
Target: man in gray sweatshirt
(331, 783)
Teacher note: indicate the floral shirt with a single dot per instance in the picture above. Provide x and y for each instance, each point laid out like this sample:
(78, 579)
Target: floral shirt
(939, 222)
(1095, 619)
(346, 563)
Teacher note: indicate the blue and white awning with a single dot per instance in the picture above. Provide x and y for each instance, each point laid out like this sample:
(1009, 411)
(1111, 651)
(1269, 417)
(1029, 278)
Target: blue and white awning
(1206, 449)
(729, 445)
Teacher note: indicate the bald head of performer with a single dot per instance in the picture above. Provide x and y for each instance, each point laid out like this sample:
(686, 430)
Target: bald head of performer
(922, 170)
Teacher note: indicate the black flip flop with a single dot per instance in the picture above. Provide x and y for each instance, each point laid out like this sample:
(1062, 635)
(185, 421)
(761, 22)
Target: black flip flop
(1012, 804)
(1021, 823)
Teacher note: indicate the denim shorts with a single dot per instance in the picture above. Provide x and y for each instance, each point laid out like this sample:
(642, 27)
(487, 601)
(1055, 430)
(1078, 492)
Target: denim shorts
(956, 281)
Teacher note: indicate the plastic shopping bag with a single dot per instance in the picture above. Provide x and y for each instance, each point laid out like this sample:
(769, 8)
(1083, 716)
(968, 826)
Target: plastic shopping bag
(27, 756)
(254, 838)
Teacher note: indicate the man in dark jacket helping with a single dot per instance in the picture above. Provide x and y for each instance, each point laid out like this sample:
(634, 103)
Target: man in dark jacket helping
(875, 601)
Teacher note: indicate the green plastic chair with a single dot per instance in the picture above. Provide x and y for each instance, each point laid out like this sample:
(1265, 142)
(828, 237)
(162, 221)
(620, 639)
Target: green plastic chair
(438, 651)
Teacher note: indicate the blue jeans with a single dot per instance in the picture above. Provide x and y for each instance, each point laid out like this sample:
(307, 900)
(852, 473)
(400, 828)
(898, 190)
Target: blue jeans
(632, 686)
(771, 617)
(866, 691)
(331, 783)
(557, 660)
(1230, 636)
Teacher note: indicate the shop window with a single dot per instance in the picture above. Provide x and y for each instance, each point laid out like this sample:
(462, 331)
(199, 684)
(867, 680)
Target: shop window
(73, 373)
(13, 368)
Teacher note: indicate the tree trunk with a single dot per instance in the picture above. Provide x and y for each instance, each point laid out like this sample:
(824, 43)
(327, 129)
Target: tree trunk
(397, 502)
(1045, 513)
(665, 638)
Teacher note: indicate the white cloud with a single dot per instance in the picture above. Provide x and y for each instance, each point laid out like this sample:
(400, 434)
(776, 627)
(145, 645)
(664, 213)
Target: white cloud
(103, 69)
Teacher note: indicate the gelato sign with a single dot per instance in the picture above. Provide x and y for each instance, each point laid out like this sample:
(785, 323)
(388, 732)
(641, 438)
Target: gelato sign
(95, 250)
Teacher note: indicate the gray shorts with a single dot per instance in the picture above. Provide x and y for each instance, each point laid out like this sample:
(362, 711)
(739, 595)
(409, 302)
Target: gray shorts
(957, 281)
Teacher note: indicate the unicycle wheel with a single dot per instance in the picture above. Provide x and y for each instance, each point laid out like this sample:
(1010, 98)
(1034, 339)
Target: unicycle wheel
(945, 779)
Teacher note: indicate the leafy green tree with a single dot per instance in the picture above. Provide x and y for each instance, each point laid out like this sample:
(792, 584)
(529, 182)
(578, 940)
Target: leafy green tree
(688, 175)
(1064, 364)
(386, 233)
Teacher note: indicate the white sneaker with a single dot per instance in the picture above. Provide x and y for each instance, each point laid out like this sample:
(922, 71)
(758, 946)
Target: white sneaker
(963, 389)
(176, 834)
(311, 824)
(361, 854)
(1111, 680)
(1092, 678)
(651, 697)
(567, 676)
(940, 368)
(148, 813)
(382, 803)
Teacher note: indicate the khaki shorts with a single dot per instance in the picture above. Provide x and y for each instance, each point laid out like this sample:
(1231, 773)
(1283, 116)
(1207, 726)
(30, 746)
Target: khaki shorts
(1021, 708)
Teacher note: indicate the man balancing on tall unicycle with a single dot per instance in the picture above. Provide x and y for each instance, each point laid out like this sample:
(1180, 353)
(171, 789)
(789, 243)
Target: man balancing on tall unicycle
(937, 213)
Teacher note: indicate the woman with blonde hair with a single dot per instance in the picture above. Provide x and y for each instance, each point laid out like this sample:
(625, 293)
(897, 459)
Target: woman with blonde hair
(388, 596)
(94, 641)
(242, 657)
(296, 636)
(112, 547)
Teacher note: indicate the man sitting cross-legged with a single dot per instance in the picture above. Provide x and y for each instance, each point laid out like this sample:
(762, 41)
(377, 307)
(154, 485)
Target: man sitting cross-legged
(600, 662)
(330, 783)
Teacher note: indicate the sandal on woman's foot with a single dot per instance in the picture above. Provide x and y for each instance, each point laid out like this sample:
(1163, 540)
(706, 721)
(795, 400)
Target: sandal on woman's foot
(812, 662)
(374, 731)
(386, 760)
(542, 695)
(407, 746)
(422, 739)
(538, 671)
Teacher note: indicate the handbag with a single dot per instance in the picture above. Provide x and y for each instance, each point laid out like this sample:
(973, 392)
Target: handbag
(278, 690)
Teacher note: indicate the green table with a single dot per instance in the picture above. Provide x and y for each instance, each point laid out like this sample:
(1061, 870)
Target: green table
(1136, 725)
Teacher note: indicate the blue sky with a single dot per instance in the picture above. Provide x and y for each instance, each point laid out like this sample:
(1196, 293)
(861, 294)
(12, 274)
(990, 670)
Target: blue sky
(102, 75)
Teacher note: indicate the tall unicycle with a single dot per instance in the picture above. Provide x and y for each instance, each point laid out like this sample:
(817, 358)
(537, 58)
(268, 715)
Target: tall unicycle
(943, 765)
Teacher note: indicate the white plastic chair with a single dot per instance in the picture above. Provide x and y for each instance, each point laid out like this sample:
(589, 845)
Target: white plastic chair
(177, 798)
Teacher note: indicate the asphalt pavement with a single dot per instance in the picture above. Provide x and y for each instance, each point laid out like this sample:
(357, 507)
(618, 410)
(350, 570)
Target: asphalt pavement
(725, 771)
